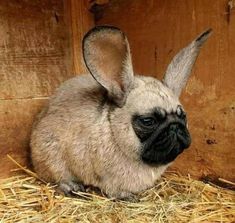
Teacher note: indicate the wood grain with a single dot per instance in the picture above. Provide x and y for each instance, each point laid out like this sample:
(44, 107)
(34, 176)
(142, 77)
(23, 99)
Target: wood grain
(156, 31)
(35, 57)
(80, 20)
(16, 118)
(32, 48)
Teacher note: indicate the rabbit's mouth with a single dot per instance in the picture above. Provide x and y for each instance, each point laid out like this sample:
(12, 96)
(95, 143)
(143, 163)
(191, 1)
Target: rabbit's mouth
(163, 148)
(164, 140)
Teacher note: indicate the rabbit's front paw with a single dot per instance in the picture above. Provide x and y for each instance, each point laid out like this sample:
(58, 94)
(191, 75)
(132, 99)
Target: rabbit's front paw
(129, 197)
(69, 187)
(126, 196)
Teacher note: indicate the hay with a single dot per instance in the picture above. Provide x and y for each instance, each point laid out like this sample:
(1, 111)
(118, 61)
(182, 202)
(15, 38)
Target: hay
(24, 198)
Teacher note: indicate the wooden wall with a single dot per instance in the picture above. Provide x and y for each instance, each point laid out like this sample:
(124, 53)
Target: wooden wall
(38, 44)
(157, 30)
(40, 47)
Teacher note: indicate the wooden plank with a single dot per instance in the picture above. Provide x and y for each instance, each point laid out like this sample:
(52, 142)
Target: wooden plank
(35, 57)
(32, 48)
(32, 65)
(16, 118)
(80, 20)
(156, 31)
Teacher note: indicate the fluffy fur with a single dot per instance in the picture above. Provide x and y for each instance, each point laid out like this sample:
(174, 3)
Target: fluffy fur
(85, 134)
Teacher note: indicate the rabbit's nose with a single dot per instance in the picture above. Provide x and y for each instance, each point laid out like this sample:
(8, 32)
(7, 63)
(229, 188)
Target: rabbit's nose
(174, 128)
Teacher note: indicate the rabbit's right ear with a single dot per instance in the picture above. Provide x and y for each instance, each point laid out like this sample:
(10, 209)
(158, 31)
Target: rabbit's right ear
(107, 56)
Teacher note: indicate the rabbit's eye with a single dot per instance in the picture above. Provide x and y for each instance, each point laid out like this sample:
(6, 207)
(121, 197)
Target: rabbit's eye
(147, 121)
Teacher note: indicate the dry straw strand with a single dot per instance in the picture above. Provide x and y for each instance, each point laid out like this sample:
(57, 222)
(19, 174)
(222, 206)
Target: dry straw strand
(175, 198)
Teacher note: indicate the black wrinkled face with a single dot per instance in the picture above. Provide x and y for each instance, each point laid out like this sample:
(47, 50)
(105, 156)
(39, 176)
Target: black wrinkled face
(163, 135)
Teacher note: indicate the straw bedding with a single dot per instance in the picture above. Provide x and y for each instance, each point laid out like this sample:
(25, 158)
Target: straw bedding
(24, 198)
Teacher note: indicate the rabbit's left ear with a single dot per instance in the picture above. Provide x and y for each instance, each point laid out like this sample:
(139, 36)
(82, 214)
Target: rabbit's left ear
(107, 56)
(180, 67)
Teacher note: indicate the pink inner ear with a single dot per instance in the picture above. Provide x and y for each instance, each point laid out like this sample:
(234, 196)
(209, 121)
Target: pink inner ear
(107, 54)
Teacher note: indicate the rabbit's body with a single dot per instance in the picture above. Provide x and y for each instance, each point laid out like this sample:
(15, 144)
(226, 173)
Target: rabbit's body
(114, 131)
(73, 142)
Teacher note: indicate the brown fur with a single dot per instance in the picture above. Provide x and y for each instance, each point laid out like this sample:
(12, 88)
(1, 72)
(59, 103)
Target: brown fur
(83, 137)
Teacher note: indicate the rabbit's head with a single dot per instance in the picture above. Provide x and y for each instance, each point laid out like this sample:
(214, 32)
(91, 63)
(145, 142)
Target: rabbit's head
(146, 119)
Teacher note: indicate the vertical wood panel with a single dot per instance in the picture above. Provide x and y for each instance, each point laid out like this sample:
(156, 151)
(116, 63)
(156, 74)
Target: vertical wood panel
(156, 31)
(81, 20)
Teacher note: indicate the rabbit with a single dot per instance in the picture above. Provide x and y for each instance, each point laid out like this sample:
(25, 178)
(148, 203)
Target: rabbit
(110, 128)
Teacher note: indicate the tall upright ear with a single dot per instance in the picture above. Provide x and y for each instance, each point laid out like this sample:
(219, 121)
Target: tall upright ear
(107, 56)
(180, 67)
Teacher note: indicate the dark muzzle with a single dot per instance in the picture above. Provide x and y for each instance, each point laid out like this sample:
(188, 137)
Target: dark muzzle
(167, 142)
